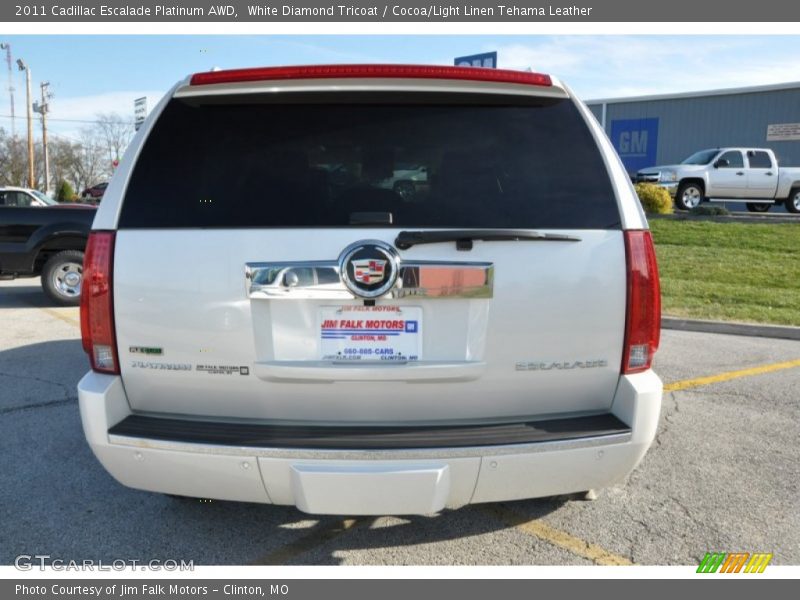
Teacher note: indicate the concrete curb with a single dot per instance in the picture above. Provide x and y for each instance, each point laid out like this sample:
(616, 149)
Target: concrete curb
(767, 331)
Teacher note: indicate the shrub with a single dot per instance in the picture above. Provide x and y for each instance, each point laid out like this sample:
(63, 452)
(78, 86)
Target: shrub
(655, 200)
(65, 192)
(705, 209)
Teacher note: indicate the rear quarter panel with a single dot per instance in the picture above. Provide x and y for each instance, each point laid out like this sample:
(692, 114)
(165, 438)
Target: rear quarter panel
(788, 179)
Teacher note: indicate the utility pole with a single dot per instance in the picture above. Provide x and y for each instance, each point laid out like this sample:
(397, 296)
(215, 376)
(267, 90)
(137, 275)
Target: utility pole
(43, 109)
(7, 48)
(23, 67)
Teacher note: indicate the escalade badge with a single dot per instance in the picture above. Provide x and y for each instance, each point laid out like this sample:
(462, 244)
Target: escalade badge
(369, 268)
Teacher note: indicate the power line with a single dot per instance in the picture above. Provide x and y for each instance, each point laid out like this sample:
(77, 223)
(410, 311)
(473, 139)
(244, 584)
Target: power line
(62, 120)
(64, 137)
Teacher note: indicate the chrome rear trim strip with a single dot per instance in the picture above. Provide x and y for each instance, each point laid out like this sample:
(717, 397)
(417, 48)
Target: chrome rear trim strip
(320, 280)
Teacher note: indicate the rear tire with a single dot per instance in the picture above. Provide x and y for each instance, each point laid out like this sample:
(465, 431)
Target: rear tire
(758, 207)
(62, 277)
(689, 196)
(793, 201)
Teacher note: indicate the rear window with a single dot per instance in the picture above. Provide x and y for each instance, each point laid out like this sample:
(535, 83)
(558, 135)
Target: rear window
(413, 160)
(759, 159)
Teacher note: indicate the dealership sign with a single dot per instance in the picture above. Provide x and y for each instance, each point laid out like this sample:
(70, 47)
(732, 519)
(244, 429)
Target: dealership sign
(636, 142)
(783, 132)
(139, 112)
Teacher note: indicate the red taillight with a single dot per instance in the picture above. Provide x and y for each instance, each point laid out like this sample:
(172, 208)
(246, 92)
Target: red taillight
(97, 303)
(643, 320)
(371, 71)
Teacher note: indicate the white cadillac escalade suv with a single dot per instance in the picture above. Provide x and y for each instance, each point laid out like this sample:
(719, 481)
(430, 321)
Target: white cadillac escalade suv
(268, 321)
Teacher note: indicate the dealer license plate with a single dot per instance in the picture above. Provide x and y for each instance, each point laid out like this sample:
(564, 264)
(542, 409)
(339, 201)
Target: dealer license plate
(371, 333)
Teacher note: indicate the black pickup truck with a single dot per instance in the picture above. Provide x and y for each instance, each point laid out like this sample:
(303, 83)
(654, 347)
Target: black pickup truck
(39, 236)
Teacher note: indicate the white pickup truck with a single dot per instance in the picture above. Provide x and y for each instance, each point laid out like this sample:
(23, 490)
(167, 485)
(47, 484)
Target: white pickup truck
(750, 175)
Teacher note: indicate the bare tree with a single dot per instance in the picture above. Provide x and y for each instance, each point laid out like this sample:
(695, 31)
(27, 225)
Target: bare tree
(114, 132)
(88, 165)
(13, 160)
(63, 154)
(83, 162)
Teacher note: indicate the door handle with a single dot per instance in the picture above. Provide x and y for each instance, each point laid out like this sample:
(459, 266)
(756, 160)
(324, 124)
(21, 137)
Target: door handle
(768, 173)
(739, 173)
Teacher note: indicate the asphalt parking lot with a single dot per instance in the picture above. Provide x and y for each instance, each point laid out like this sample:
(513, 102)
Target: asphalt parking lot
(723, 475)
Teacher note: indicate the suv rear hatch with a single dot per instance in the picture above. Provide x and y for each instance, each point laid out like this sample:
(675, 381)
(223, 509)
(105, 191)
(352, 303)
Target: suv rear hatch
(246, 199)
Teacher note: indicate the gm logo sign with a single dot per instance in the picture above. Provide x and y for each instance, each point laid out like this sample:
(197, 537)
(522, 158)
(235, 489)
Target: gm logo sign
(636, 142)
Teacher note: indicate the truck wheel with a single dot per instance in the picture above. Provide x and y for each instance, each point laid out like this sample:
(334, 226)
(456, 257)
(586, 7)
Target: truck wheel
(62, 277)
(689, 196)
(758, 207)
(793, 201)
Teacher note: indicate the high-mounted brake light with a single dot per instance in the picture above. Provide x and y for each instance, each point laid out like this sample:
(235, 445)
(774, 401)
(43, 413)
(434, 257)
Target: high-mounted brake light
(372, 71)
(97, 303)
(643, 320)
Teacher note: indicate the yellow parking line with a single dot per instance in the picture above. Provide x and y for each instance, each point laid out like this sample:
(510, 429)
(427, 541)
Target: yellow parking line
(54, 313)
(691, 383)
(539, 529)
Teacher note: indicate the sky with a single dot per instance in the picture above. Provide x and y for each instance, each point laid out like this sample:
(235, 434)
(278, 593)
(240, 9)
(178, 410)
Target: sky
(92, 74)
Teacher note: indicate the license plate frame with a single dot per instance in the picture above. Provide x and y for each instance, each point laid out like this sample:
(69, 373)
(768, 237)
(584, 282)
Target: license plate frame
(370, 334)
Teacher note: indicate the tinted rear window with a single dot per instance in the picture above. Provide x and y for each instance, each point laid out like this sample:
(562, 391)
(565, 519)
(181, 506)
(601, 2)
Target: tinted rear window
(428, 161)
(759, 160)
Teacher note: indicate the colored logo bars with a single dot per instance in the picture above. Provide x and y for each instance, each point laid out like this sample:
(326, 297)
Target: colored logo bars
(734, 562)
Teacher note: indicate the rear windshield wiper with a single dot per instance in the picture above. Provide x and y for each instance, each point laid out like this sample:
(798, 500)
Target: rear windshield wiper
(464, 237)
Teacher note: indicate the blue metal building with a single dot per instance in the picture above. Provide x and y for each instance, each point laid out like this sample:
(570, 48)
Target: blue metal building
(663, 129)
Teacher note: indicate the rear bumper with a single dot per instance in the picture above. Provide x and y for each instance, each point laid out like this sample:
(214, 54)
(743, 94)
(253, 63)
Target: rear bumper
(389, 475)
